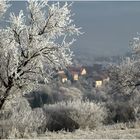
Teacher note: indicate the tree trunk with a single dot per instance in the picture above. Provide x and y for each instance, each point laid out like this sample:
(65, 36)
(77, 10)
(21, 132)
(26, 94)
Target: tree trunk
(6, 94)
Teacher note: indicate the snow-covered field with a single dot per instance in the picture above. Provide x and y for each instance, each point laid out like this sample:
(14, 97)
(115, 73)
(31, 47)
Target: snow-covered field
(95, 134)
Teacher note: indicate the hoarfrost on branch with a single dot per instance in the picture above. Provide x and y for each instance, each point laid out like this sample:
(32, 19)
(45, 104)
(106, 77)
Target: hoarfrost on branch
(33, 45)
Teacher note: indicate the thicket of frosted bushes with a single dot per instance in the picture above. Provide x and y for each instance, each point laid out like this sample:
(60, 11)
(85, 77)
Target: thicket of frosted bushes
(85, 113)
(63, 108)
(69, 115)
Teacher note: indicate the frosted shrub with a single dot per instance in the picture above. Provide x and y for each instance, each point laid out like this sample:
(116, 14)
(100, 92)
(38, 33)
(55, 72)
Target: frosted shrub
(85, 113)
(24, 122)
(70, 93)
(24, 116)
(88, 114)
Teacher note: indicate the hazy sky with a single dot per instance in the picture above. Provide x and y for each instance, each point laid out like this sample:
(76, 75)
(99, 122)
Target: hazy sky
(108, 26)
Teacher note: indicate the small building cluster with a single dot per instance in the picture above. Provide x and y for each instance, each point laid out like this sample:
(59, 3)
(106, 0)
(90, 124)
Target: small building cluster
(95, 73)
(71, 73)
(100, 80)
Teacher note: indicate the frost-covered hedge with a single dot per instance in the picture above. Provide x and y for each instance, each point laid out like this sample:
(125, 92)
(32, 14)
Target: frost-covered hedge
(85, 113)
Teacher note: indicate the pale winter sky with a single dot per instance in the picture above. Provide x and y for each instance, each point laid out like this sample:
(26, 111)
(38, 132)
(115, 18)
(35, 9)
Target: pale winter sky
(108, 26)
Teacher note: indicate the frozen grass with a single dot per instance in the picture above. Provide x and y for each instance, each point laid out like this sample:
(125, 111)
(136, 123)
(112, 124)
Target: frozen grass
(95, 134)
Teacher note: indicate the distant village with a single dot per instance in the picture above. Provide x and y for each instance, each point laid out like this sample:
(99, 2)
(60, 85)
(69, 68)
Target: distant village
(97, 74)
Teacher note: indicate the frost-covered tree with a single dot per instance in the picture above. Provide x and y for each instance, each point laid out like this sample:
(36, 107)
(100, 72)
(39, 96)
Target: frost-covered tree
(125, 84)
(125, 77)
(3, 7)
(32, 45)
(122, 77)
